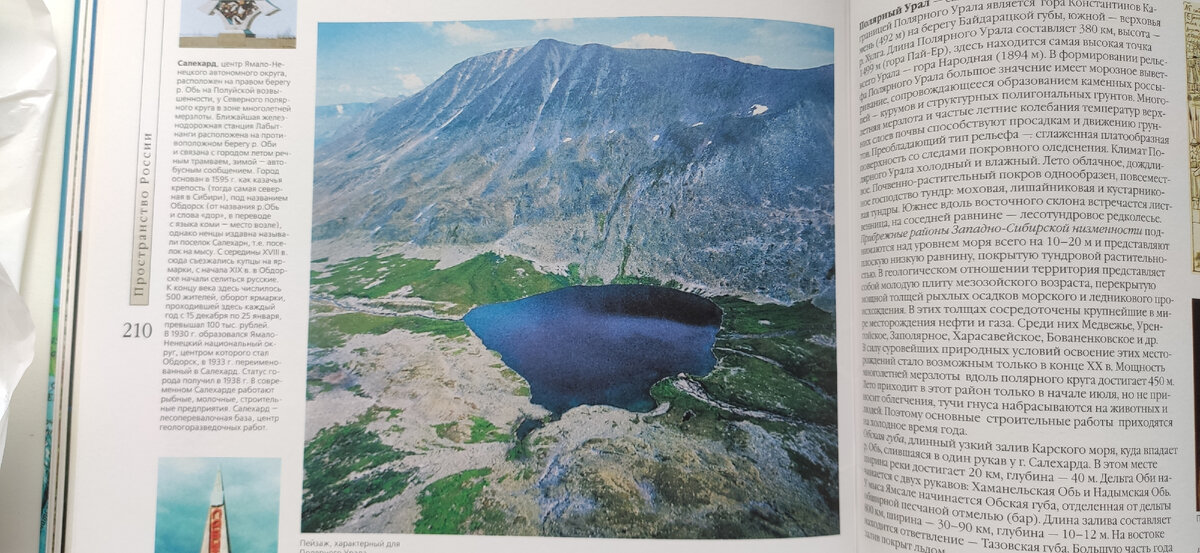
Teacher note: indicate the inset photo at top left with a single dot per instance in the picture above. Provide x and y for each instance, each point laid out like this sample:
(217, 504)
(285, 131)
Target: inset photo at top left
(237, 24)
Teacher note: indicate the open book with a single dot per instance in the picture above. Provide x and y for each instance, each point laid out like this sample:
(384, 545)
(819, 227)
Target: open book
(823, 276)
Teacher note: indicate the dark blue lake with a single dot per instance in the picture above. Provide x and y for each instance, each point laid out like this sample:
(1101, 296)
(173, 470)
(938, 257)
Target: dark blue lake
(600, 345)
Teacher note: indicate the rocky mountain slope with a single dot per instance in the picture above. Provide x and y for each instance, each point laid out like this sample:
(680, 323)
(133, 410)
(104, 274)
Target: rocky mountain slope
(662, 163)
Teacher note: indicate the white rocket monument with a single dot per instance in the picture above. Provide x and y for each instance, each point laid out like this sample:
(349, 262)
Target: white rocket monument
(216, 531)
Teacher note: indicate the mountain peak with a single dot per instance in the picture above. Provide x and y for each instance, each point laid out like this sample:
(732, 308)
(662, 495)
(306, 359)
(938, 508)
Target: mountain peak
(549, 46)
(548, 42)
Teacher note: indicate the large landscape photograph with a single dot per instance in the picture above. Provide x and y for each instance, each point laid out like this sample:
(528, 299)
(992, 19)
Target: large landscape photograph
(573, 278)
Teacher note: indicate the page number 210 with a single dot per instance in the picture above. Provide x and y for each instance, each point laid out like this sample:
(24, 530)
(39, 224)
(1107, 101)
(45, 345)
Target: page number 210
(137, 330)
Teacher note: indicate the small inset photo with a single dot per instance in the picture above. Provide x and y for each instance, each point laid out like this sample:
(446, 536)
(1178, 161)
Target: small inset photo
(217, 505)
(237, 24)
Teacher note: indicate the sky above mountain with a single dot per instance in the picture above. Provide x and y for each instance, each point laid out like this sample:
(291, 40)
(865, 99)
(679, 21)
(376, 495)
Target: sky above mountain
(363, 62)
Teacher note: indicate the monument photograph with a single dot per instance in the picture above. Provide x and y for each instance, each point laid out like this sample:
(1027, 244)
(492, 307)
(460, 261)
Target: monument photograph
(238, 24)
(217, 505)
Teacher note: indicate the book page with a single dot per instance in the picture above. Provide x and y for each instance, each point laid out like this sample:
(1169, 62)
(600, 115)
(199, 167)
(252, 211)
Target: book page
(1025, 284)
(361, 276)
